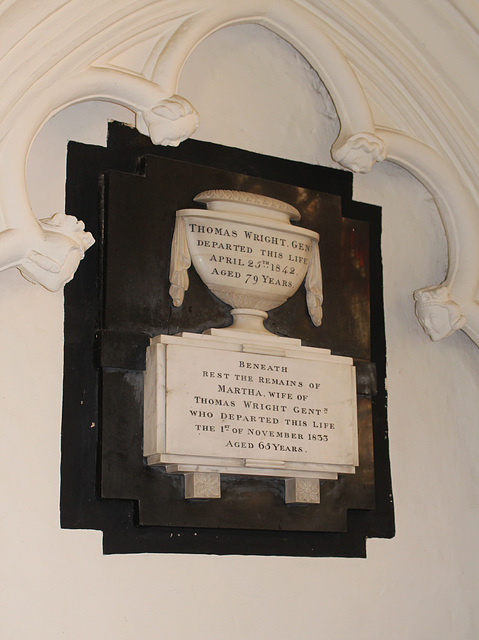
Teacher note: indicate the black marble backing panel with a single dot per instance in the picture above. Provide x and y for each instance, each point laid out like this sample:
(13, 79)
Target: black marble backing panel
(128, 194)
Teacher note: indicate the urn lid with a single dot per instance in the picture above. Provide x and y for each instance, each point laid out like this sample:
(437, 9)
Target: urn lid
(244, 201)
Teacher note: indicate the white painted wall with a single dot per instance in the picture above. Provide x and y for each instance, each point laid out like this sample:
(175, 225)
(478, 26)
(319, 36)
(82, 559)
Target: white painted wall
(259, 95)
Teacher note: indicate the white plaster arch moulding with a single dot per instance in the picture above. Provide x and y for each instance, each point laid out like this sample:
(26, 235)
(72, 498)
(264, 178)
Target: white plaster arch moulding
(48, 251)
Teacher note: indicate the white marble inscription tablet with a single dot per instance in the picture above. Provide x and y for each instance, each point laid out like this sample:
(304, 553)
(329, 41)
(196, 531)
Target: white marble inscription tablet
(216, 405)
(265, 407)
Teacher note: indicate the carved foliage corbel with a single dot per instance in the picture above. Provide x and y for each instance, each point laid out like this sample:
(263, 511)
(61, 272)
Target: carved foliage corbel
(438, 315)
(48, 255)
(170, 122)
(360, 152)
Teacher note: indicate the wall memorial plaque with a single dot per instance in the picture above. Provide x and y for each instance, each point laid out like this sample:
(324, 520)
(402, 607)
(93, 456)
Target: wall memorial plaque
(243, 400)
(264, 429)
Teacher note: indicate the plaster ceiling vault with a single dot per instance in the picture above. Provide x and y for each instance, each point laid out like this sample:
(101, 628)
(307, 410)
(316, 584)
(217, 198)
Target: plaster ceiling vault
(398, 95)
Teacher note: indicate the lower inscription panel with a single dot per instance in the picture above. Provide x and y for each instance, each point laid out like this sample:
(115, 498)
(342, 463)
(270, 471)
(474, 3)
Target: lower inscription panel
(249, 407)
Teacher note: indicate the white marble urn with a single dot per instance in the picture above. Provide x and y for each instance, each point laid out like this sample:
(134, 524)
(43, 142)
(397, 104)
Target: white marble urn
(248, 254)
